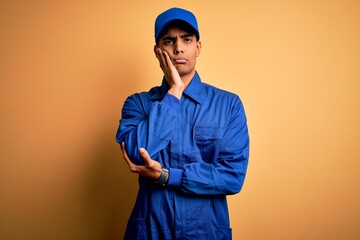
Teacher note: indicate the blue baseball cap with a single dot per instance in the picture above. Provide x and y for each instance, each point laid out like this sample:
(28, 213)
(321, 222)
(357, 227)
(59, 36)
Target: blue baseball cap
(175, 15)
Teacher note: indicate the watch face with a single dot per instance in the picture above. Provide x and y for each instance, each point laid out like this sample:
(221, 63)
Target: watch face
(162, 179)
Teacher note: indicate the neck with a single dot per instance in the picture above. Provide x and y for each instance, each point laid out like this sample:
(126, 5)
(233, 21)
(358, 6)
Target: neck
(187, 78)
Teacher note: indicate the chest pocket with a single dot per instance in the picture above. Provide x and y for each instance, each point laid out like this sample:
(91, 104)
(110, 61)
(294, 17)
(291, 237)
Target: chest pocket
(208, 140)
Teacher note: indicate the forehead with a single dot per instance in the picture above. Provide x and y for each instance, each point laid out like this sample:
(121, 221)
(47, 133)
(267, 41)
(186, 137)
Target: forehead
(176, 31)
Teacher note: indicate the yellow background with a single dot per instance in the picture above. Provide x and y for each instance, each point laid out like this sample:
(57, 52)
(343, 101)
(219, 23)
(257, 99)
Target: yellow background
(66, 68)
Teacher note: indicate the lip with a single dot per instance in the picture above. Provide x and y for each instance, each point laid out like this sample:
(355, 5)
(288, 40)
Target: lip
(180, 60)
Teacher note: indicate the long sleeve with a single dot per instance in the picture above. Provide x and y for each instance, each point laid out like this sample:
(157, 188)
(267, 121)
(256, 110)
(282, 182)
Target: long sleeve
(223, 163)
(203, 140)
(146, 124)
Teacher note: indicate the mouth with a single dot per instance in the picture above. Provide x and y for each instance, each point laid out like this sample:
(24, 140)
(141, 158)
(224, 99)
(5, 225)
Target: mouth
(180, 60)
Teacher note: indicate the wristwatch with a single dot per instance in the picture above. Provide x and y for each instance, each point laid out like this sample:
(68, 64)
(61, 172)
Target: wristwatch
(162, 179)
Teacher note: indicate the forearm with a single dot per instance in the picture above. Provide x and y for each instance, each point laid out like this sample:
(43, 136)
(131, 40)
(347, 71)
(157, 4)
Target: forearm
(221, 178)
(176, 91)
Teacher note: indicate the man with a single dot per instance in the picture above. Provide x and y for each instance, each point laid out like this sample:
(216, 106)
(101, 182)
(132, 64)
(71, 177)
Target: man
(187, 140)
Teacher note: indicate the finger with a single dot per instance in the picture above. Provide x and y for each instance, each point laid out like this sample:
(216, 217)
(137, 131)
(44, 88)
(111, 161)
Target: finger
(157, 53)
(163, 58)
(145, 156)
(126, 157)
(167, 59)
(133, 167)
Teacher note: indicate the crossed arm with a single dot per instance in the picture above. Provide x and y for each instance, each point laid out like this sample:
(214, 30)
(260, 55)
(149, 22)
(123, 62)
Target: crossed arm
(152, 169)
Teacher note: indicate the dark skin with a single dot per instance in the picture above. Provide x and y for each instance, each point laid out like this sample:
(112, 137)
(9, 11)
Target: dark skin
(151, 169)
(176, 52)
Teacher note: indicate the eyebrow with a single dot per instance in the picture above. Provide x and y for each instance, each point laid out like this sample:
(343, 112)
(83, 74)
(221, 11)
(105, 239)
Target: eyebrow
(186, 35)
(168, 38)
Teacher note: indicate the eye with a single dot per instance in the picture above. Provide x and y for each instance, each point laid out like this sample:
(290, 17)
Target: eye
(188, 40)
(168, 42)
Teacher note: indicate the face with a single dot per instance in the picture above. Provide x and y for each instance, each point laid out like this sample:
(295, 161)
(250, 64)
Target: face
(182, 48)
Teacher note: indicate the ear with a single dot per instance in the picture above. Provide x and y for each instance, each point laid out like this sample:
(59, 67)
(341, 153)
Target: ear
(198, 46)
(155, 47)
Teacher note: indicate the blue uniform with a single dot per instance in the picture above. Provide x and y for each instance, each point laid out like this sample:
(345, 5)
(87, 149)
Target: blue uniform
(203, 140)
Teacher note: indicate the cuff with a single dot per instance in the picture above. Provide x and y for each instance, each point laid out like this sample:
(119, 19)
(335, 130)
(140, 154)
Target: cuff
(171, 101)
(175, 177)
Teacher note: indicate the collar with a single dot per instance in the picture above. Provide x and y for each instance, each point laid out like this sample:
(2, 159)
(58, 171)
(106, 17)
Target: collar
(195, 90)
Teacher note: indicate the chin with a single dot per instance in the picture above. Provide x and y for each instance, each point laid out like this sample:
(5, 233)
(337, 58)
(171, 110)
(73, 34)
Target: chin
(183, 72)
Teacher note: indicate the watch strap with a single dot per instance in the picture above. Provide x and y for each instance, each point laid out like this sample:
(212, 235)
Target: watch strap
(162, 179)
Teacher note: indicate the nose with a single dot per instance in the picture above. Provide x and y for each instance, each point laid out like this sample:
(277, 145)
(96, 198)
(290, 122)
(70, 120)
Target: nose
(178, 48)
